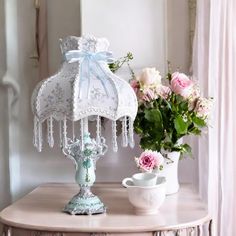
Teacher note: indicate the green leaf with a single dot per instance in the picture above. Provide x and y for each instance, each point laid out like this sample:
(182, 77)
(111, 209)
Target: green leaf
(199, 121)
(153, 115)
(183, 106)
(186, 148)
(195, 131)
(167, 104)
(153, 124)
(149, 143)
(181, 126)
(138, 130)
(179, 99)
(156, 134)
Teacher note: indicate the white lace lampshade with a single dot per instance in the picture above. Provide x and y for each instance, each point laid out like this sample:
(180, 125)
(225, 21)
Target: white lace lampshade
(84, 88)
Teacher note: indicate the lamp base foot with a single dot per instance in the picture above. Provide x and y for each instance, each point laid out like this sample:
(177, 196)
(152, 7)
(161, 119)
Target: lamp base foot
(85, 203)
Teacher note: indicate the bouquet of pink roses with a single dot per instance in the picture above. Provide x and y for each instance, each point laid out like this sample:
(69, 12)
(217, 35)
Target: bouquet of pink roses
(168, 110)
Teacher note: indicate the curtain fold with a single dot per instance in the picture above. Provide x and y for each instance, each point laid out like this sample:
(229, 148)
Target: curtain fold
(214, 65)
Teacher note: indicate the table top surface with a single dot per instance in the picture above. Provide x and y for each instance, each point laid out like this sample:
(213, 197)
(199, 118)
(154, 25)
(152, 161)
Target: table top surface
(42, 210)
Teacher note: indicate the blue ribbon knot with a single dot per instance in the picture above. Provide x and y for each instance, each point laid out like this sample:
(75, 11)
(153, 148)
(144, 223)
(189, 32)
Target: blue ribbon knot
(77, 55)
(90, 62)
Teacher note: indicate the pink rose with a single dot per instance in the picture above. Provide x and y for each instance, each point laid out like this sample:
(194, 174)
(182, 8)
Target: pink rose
(135, 85)
(149, 77)
(181, 84)
(146, 95)
(149, 160)
(149, 95)
(163, 91)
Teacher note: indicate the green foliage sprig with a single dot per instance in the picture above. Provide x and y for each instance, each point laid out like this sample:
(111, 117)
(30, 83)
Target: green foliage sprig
(114, 67)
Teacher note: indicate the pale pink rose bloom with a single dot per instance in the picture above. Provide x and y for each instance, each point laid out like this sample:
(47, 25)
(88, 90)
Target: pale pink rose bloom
(149, 76)
(149, 160)
(163, 91)
(181, 84)
(150, 94)
(203, 107)
(141, 96)
(135, 85)
(147, 95)
(145, 98)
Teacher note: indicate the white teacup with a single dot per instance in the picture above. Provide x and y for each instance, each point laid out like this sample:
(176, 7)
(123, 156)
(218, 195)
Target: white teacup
(141, 179)
(147, 199)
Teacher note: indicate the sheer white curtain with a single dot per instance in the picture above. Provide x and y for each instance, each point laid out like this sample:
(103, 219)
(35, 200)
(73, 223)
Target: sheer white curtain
(214, 64)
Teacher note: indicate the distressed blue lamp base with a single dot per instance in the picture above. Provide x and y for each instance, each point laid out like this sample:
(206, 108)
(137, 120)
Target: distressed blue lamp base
(85, 203)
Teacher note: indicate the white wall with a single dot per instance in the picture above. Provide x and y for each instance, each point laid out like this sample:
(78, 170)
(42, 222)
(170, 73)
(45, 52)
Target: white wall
(29, 168)
(137, 26)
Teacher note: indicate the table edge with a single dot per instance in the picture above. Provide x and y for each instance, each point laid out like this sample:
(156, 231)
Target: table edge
(196, 223)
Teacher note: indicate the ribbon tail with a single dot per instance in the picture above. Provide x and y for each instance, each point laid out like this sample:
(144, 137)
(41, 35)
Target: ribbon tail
(104, 56)
(98, 77)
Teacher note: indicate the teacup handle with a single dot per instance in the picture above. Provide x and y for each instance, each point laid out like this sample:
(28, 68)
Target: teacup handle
(124, 182)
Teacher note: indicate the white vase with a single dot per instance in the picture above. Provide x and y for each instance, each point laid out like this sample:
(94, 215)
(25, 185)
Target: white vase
(170, 172)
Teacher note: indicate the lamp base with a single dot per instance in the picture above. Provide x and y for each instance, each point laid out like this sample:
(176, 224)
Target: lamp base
(85, 203)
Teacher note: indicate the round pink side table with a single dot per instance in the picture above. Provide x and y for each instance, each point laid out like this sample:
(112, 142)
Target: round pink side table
(39, 213)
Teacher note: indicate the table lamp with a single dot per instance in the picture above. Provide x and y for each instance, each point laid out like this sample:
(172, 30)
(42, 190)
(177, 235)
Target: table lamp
(82, 93)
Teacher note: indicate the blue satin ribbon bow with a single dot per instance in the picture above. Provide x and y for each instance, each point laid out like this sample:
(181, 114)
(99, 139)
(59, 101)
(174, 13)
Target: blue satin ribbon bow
(77, 55)
(89, 61)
